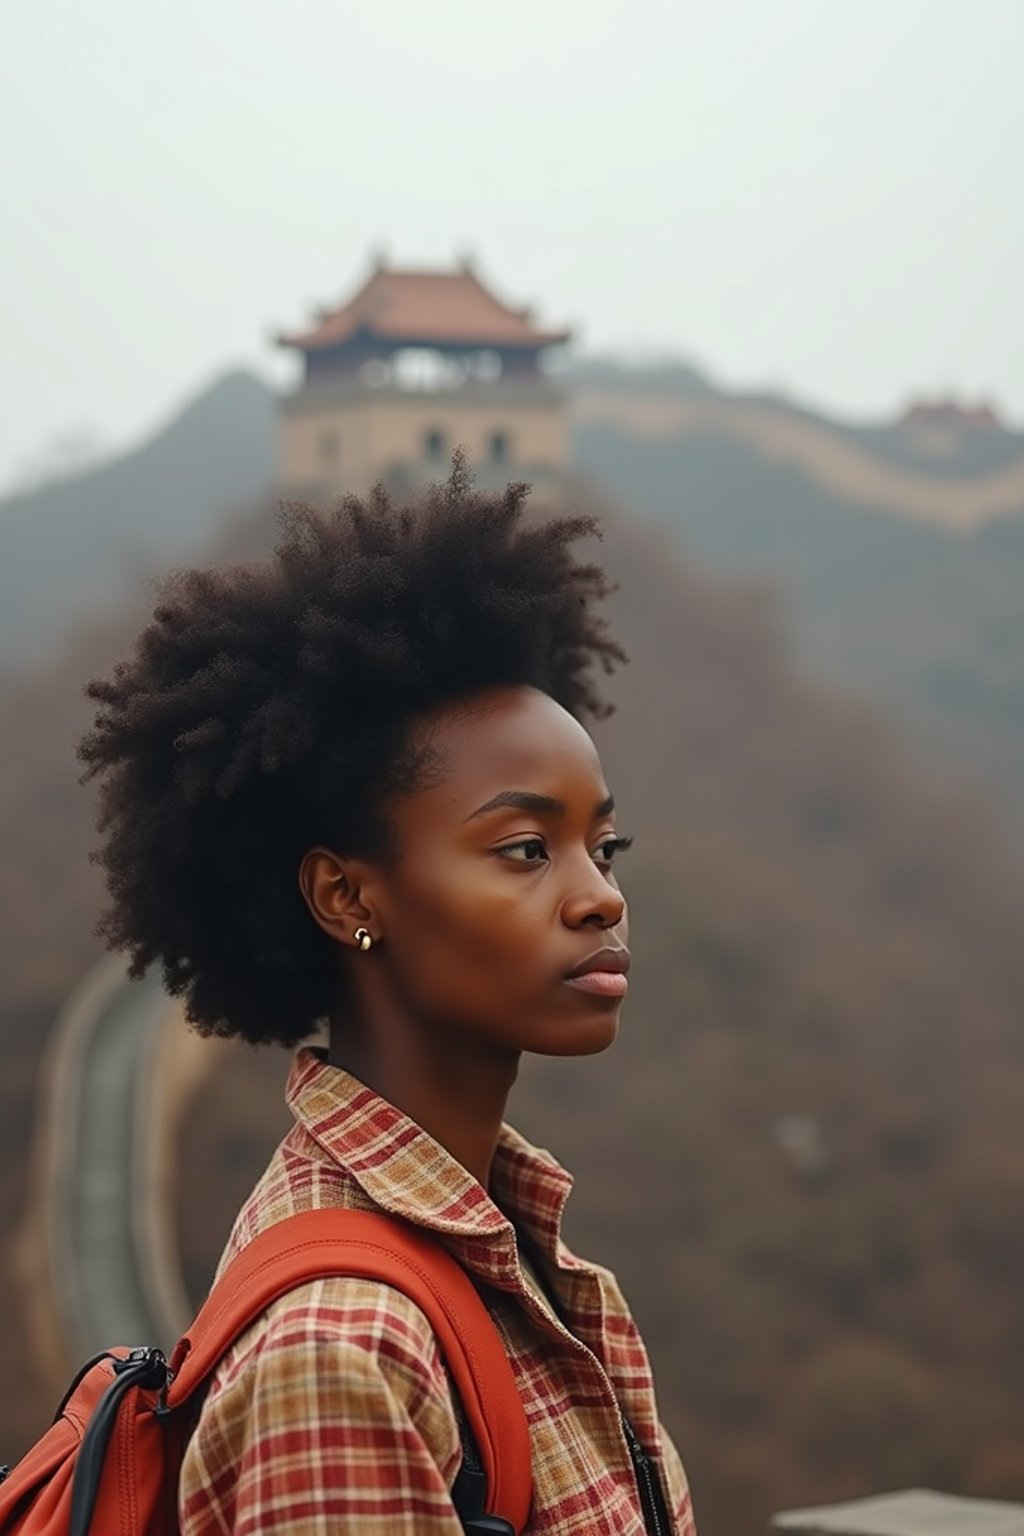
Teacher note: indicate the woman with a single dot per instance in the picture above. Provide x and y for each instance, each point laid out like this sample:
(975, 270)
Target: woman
(350, 786)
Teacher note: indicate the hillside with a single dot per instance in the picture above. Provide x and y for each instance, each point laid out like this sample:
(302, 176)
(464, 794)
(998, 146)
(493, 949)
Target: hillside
(825, 1028)
(809, 1184)
(923, 620)
(802, 1156)
(70, 546)
(938, 462)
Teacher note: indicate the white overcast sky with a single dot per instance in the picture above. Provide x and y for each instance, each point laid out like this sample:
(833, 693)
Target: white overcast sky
(824, 195)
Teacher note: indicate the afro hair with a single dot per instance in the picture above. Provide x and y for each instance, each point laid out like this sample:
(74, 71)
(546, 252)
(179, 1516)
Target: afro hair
(268, 707)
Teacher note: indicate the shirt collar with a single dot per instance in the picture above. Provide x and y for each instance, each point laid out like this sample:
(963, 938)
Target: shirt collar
(405, 1172)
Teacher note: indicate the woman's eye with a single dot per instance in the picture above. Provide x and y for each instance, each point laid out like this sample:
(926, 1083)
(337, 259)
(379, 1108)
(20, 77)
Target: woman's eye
(613, 845)
(529, 843)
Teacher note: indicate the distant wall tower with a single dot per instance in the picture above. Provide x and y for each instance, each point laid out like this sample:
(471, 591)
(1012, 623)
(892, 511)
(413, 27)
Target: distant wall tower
(414, 365)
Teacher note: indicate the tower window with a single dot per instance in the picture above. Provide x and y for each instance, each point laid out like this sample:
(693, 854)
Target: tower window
(434, 444)
(497, 447)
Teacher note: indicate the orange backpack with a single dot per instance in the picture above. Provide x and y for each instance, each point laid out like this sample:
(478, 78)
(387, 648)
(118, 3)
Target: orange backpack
(109, 1464)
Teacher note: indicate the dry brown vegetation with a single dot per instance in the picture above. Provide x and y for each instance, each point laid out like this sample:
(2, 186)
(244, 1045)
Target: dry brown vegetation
(818, 936)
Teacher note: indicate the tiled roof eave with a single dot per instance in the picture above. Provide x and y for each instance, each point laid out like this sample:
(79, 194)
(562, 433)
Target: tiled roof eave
(322, 339)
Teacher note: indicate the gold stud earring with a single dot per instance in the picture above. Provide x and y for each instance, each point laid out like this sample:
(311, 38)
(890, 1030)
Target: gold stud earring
(363, 939)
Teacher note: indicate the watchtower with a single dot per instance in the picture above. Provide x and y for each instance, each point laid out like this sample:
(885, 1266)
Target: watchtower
(415, 364)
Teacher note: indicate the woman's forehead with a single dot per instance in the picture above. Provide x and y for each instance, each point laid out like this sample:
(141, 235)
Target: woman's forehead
(512, 739)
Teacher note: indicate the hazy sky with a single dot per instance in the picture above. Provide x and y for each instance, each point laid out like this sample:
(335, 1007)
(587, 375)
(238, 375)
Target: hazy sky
(820, 194)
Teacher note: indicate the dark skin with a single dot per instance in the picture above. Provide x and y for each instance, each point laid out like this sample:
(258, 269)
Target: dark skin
(477, 921)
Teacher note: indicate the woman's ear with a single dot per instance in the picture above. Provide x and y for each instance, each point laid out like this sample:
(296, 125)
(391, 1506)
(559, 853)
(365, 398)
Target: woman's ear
(330, 889)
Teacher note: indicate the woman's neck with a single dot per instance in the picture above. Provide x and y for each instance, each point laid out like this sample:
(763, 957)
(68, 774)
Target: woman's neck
(449, 1085)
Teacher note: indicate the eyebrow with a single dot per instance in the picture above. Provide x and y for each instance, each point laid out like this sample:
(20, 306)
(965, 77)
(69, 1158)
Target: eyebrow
(542, 805)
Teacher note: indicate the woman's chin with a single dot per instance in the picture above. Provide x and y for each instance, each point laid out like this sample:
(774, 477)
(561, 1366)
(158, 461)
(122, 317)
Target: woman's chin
(590, 1033)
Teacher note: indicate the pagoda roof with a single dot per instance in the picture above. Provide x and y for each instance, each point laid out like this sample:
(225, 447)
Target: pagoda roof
(424, 308)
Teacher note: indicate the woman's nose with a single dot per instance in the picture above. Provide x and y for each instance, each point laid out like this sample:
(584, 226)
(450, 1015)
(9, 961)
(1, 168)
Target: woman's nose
(595, 899)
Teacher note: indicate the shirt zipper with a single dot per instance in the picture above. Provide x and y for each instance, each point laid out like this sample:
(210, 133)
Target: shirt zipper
(651, 1496)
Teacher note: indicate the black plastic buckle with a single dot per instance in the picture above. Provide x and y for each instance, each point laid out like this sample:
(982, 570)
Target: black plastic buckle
(154, 1362)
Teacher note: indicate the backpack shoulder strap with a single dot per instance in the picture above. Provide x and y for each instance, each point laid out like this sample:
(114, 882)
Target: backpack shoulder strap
(369, 1245)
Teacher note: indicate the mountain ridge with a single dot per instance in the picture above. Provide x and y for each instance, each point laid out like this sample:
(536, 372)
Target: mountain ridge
(70, 545)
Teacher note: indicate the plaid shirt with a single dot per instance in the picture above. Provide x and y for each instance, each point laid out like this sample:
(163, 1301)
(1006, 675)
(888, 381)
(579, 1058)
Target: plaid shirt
(333, 1414)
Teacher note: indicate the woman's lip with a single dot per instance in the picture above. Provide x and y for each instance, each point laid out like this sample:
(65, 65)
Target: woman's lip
(603, 983)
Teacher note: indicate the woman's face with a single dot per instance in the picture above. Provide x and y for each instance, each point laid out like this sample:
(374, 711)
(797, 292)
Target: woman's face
(504, 881)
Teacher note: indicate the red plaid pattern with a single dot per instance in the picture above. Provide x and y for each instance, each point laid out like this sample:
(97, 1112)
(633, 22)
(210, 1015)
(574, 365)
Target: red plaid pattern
(333, 1414)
